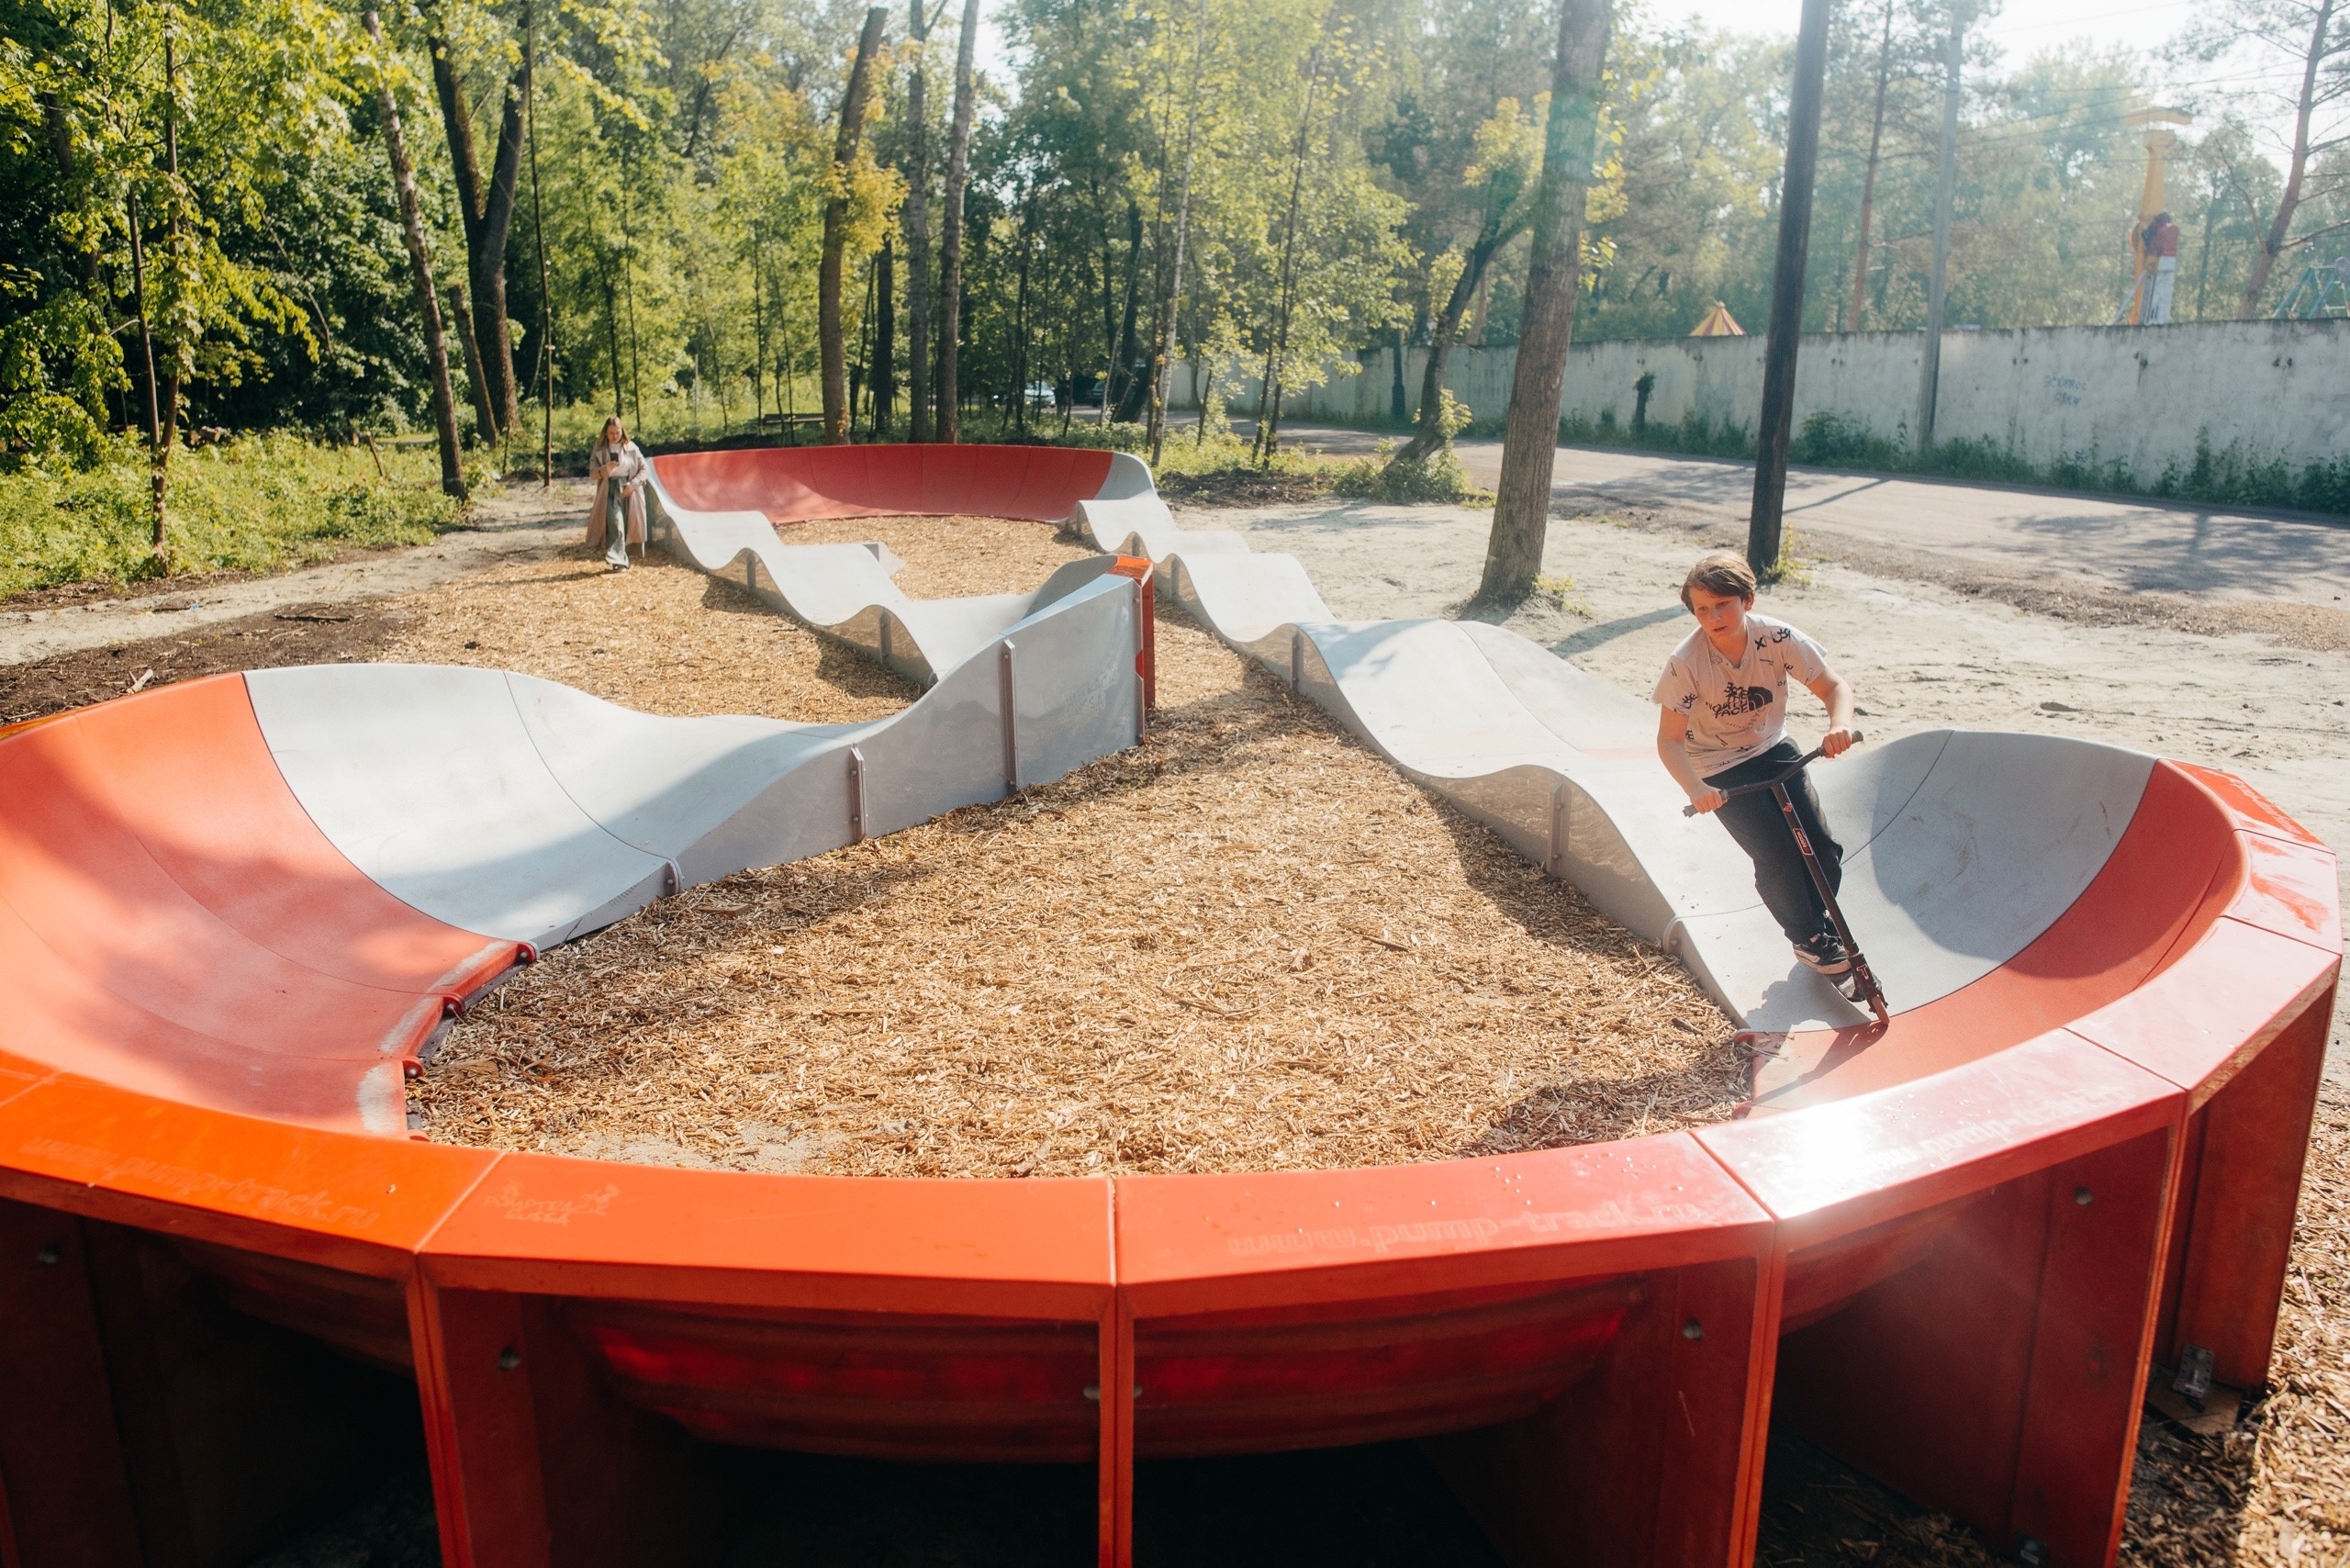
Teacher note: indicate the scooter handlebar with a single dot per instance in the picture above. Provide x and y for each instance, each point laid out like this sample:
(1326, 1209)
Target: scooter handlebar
(1800, 764)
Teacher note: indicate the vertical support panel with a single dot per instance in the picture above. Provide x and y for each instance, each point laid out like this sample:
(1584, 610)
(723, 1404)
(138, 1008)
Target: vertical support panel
(1920, 1381)
(480, 1427)
(2240, 1197)
(1115, 1490)
(623, 1487)
(535, 1461)
(856, 796)
(2093, 1337)
(64, 1485)
(1649, 1460)
(1008, 695)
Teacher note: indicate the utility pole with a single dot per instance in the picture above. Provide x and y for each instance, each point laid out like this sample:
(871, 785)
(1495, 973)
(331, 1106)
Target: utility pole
(1930, 366)
(1777, 416)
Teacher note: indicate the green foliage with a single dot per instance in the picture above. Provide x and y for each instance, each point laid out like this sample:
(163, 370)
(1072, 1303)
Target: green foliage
(1380, 478)
(258, 505)
(1697, 435)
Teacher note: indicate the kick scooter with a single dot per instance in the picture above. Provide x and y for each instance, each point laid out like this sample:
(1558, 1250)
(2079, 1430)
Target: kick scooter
(1865, 983)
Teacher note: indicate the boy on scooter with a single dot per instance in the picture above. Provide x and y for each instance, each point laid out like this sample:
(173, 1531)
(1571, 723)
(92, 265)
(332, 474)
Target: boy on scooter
(1724, 697)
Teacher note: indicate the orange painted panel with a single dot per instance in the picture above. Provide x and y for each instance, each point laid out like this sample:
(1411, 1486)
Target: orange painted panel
(2247, 808)
(798, 484)
(1209, 1243)
(575, 1226)
(1856, 1162)
(2292, 888)
(341, 1200)
(2199, 1022)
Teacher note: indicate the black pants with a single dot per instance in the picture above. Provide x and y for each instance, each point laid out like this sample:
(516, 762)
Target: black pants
(1760, 829)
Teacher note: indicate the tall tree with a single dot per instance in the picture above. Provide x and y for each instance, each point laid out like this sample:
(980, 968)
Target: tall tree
(915, 223)
(2306, 42)
(1162, 347)
(427, 301)
(1868, 179)
(485, 211)
(1509, 154)
(1553, 276)
(831, 347)
(885, 342)
(950, 239)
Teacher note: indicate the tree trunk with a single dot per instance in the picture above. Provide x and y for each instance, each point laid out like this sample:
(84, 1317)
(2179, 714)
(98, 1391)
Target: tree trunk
(146, 334)
(1429, 438)
(1269, 385)
(167, 421)
(488, 215)
(462, 318)
(1530, 441)
(830, 346)
(916, 224)
(1020, 322)
(546, 288)
(885, 342)
(2272, 244)
(1162, 347)
(1131, 389)
(950, 239)
(1868, 180)
(427, 301)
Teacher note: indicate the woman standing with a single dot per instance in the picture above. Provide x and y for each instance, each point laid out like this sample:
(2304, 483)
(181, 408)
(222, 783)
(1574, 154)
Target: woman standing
(616, 519)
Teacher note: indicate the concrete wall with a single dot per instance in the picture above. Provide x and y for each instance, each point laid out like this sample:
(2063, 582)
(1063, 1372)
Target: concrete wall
(2139, 395)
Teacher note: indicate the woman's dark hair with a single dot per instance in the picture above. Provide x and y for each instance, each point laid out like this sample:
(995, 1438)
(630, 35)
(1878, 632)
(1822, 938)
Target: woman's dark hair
(1721, 573)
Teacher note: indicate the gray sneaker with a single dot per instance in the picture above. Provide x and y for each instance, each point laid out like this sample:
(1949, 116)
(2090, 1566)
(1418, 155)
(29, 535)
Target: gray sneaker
(1824, 953)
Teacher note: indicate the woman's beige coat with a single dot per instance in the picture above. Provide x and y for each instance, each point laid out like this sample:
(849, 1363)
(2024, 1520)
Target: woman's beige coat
(635, 502)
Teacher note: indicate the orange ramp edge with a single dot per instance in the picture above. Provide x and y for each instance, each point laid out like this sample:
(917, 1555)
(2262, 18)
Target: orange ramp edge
(243, 963)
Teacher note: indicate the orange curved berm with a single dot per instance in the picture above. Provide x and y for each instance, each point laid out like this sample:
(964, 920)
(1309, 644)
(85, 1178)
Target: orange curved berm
(1949, 1249)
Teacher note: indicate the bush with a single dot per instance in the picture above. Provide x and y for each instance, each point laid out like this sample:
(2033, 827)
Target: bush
(1380, 478)
(256, 504)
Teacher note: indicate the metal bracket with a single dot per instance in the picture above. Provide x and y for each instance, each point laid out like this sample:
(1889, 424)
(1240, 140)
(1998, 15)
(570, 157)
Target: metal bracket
(1297, 660)
(856, 796)
(1555, 863)
(2196, 1365)
(1011, 722)
(885, 636)
(751, 575)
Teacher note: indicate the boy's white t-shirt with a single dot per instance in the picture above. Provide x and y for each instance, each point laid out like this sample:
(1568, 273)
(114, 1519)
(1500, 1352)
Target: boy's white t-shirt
(1737, 711)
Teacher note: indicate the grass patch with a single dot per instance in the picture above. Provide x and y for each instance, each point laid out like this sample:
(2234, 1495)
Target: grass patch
(1564, 593)
(257, 505)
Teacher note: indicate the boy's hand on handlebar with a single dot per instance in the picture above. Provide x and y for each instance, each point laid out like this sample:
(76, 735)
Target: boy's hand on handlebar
(1836, 743)
(1706, 800)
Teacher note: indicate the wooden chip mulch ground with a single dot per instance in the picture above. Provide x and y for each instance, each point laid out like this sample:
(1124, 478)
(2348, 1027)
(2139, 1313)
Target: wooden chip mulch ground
(1247, 946)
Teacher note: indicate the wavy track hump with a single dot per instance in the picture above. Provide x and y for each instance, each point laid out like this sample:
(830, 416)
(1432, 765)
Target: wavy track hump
(719, 511)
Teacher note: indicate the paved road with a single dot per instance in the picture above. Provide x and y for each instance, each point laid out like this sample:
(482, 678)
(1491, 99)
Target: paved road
(2153, 545)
